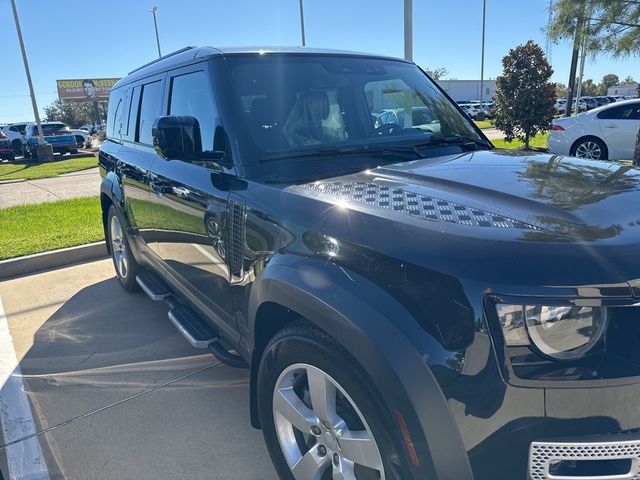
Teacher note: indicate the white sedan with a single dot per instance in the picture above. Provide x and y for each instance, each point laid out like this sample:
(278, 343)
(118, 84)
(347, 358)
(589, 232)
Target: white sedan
(607, 132)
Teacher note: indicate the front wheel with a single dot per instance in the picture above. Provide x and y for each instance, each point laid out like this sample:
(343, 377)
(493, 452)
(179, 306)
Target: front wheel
(319, 419)
(126, 266)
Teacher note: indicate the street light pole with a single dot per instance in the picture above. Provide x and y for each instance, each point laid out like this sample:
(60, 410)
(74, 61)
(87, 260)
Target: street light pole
(408, 30)
(484, 23)
(28, 73)
(302, 22)
(155, 24)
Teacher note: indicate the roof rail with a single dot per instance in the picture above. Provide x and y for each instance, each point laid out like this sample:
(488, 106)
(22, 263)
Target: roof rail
(185, 49)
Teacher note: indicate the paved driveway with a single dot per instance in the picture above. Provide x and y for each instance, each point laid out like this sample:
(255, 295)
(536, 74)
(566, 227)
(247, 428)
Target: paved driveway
(105, 388)
(85, 183)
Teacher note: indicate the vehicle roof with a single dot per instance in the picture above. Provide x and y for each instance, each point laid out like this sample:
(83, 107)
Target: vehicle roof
(615, 105)
(189, 55)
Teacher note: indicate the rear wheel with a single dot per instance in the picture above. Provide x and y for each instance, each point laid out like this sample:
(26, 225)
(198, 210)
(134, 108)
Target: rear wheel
(319, 421)
(16, 145)
(126, 266)
(591, 148)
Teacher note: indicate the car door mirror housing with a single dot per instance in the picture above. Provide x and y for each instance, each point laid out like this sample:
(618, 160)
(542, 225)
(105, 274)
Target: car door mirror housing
(177, 137)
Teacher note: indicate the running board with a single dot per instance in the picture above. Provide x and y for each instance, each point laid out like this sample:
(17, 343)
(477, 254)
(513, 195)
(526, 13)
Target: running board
(197, 331)
(153, 286)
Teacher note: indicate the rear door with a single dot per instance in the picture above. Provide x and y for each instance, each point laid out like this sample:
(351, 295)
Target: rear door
(190, 203)
(619, 127)
(140, 107)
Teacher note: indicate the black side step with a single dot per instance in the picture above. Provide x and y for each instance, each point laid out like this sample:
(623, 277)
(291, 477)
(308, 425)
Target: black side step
(201, 334)
(153, 286)
(197, 331)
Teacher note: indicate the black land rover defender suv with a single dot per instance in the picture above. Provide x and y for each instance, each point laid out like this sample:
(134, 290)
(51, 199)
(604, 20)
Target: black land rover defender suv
(411, 303)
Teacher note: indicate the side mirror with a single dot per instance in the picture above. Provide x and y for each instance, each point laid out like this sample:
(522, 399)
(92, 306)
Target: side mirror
(177, 137)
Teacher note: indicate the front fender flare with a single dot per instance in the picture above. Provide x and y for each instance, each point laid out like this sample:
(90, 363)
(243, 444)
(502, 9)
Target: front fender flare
(388, 343)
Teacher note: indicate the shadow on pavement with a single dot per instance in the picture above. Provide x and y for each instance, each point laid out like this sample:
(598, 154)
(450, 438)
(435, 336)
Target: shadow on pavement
(116, 392)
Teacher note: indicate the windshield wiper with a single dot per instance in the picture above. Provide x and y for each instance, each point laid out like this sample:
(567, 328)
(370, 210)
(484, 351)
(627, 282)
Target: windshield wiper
(378, 150)
(323, 152)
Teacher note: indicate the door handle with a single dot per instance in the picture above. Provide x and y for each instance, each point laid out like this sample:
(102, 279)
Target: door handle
(611, 126)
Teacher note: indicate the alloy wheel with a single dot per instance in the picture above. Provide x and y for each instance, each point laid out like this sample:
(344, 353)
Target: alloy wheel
(322, 433)
(590, 150)
(118, 247)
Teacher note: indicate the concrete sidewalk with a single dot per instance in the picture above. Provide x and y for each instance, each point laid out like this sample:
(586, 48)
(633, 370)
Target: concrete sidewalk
(112, 389)
(493, 133)
(85, 183)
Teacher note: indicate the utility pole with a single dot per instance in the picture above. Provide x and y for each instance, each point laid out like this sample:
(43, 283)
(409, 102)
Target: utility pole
(484, 22)
(155, 24)
(582, 62)
(42, 148)
(302, 22)
(574, 61)
(408, 30)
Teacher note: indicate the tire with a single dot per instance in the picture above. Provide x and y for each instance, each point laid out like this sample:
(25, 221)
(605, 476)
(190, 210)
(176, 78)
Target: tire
(125, 265)
(73, 152)
(295, 353)
(16, 145)
(591, 148)
(80, 141)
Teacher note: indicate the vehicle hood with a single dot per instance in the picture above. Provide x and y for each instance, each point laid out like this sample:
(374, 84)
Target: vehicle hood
(498, 194)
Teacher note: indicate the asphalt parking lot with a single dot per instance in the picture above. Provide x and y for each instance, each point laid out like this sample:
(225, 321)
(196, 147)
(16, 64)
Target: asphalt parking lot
(106, 388)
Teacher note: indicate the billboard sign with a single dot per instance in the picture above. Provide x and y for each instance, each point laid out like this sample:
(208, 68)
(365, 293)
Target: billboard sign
(85, 89)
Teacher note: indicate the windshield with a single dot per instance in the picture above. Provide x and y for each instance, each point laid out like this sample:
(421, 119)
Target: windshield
(294, 103)
(54, 127)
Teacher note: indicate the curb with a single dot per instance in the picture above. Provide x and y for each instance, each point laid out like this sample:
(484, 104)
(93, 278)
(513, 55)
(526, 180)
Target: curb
(39, 262)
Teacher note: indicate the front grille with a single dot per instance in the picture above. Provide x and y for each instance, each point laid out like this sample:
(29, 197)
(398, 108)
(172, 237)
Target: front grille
(236, 242)
(543, 455)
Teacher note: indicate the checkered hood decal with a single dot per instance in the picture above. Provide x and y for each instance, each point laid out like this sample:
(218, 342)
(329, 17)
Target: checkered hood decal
(411, 203)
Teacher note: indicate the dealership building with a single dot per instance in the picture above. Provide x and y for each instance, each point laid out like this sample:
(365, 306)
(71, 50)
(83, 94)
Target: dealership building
(629, 89)
(468, 90)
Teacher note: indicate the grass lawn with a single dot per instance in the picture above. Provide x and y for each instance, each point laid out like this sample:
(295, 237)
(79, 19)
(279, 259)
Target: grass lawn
(483, 124)
(28, 229)
(32, 171)
(539, 141)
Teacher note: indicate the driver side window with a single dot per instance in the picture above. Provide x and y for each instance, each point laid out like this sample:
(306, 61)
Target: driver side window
(191, 95)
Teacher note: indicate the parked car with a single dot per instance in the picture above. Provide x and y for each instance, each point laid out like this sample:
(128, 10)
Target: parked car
(590, 102)
(92, 128)
(410, 304)
(611, 98)
(57, 134)
(602, 101)
(15, 133)
(6, 152)
(561, 105)
(82, 137)
(607, 132)
(472, 110)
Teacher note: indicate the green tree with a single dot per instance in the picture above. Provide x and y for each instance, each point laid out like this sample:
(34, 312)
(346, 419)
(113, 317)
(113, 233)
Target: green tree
(608, 81)
(72, 114)
(628, 80)
(561, 90)
(437, 73)
(589, 89)
(525, 96)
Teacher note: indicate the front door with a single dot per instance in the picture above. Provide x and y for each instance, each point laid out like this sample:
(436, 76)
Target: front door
(190, 206)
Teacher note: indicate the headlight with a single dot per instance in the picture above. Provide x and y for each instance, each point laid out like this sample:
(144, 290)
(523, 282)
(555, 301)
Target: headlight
(559, 332)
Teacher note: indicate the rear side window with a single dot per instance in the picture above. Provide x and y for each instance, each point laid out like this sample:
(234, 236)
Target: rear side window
(114, 110)
(191, 95)
(149, 110)
(623, 112)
